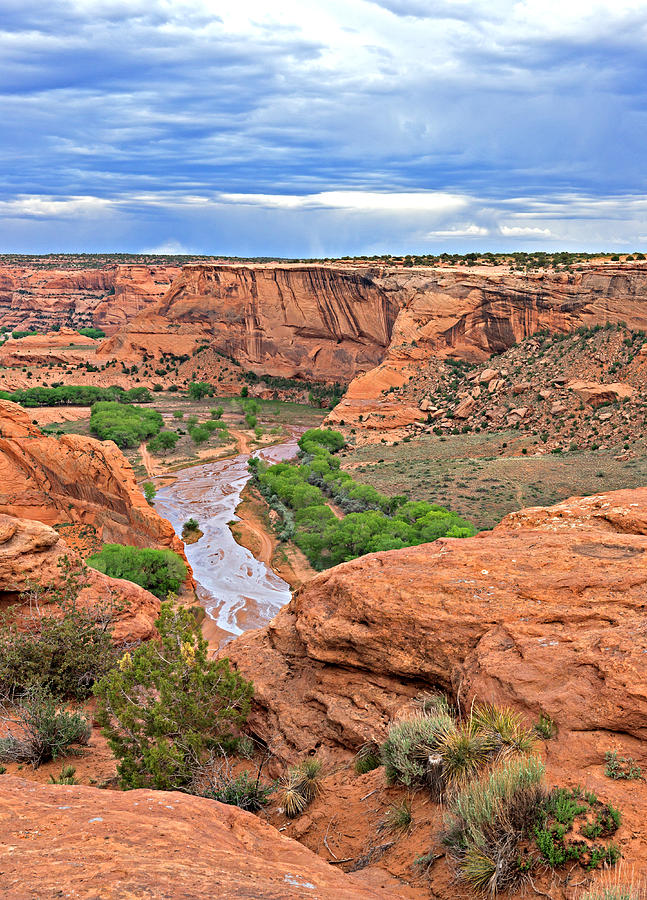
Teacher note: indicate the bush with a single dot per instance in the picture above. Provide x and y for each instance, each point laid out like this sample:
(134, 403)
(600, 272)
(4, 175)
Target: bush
(199, 434)
(124, 424)
(300, 786)
(92, 332)
(367, 758)
(200, 389)
(168, 704)
(65, 652)
(217, 782)
(216, 413)
(149, 491)
(165, 440)
(41, 729)
(159, 571)
(486, 819)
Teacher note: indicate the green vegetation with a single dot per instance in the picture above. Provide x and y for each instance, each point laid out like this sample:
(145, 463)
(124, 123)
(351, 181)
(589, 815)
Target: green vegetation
(149, 491)
(159, 571)
(300, 785)
(166, 705)
(63, 653)
(164, 441)
(200, 389)
(75, 395)
(243, 790)
(21, 334)
(124, 424)
(621, 768)
(190, 529)
(299, 494)
(92, 332)
(367, 758)
(545, 727)
(397, 817)
(41, 729)
(67, 776)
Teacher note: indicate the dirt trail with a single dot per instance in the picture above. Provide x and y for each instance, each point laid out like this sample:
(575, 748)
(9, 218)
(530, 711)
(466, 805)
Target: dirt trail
(147, 460)
(243, 441)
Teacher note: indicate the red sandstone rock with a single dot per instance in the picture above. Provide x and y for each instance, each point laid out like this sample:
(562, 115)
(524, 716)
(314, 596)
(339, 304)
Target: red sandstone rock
(596, 394)
(76, 479)
(87, 843)
(31, 551)
(545, 613)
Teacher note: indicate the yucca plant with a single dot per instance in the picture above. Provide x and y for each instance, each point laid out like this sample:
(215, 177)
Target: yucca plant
(67, 776)
(464, 753)
(300, 786)
(505, 727)
(367, 758)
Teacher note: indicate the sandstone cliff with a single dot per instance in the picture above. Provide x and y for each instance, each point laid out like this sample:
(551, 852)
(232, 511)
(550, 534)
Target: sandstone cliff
(310, 321)
(31, 551)
(108, 297)
(74, 479)
(89, 843)
(545, 613)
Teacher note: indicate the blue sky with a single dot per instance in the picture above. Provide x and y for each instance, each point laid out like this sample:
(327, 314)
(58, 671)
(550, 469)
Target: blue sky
(321, 127)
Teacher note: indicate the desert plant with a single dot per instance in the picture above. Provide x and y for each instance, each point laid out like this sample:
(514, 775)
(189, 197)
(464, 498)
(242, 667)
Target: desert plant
(464, 752)
(55, 642)
(505, 727)
(545, 727)
(410, 753)
(486, 819)
(40, 729)
(67, 776)
(167, 705)
(159, 571)
(216, 781)
(149, 491)
(367, 758)
(397, 817)
(620, 767)
(300, 785)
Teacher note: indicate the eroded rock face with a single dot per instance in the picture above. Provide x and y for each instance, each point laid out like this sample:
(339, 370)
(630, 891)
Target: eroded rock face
(32, 552)
(106, 297)
(309, 321)
(91, 843)
(544, 613)
(74, 479)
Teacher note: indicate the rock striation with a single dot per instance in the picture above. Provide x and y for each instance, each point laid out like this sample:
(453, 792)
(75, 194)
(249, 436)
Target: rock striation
(88, 843)
(544, 613)
(32, 552)
(307, 321)
(109, 296)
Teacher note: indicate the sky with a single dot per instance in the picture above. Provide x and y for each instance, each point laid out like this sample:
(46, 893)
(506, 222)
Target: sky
(304, 128)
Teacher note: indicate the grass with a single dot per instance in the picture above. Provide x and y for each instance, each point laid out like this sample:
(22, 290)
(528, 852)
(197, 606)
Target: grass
(397, 818)
(472, 475)
(300, 785)
(367, 758)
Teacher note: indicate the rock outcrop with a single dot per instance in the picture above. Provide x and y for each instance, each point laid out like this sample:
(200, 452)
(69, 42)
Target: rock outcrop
(308, 321)
(74, 479)
(88, 843)
(544, 613)
(32, 297)
(32, 552)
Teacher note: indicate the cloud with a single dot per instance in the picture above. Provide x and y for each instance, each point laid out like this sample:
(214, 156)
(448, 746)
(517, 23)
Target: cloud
(460, 231)
(418, 116)
(524, 231)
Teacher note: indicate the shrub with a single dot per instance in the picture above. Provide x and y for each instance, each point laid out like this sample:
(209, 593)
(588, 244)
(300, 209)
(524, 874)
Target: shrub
(168, 704)
(41, 730)
(367, 758)
(190, 525)
(300, 786)
(65, 652)
(149, 491)
(67, 776)
(217, 782)
(199, 434)
(545, 727)
(92, 332)
(621, 768)
(486, 819)
(200, 389)
(216, 413)
(123, 423)
(410, 753)
(159, 571)
(165, 440)
(397, 817)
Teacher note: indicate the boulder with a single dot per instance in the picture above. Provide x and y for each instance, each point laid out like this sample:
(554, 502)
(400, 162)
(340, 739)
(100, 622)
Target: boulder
(596, 394)
(82, 842)
(32, 552)
(544, 613)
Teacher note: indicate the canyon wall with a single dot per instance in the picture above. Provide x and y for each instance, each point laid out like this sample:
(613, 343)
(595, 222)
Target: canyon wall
(74, 479)
(107, 297)
(307, 321)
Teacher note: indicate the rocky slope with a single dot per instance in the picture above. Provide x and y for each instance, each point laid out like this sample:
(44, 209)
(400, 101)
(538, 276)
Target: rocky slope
(32, 297)
(544, 613)
(31, 551)
(312, 321)
(74, 479)
(90, 843)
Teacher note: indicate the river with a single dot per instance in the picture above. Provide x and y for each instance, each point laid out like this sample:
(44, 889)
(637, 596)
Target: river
(237, 591)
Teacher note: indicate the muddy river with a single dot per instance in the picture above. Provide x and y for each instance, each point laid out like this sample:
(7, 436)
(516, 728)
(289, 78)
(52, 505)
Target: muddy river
(237, 591)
